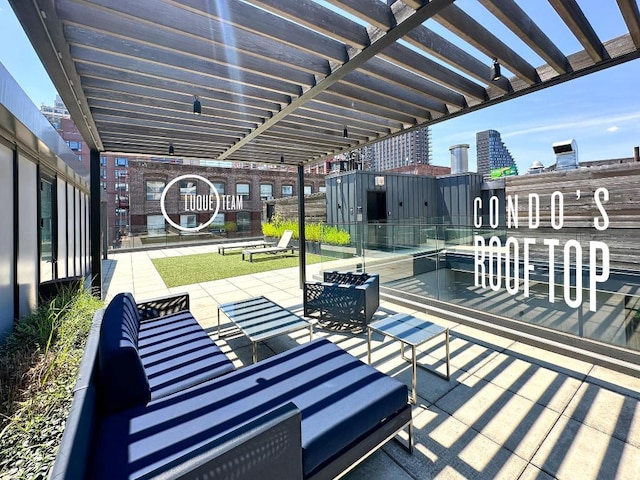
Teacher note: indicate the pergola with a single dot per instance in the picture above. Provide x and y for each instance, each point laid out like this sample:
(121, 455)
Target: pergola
(293, 81)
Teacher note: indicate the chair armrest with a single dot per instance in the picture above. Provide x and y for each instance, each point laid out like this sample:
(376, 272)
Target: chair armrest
(270, 446)
(161, 306)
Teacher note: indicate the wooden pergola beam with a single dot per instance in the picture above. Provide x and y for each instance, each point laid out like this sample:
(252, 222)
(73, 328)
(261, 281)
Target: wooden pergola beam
(574, 18)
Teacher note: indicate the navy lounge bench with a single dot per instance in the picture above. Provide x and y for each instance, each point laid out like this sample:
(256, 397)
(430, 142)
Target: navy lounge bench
(311, 412)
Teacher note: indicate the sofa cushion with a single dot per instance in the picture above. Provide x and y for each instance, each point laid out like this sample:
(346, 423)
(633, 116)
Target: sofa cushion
(177, 353)
(340, 399)
(122, 381)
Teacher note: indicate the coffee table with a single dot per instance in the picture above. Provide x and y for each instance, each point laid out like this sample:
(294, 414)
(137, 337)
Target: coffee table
(413, 332)
(260, 319)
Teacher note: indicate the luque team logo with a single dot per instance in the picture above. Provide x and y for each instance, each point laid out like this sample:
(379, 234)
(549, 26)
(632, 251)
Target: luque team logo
(200, 203)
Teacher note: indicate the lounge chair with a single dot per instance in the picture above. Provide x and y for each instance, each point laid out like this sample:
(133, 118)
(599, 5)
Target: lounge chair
(223, 247)
(282, 246)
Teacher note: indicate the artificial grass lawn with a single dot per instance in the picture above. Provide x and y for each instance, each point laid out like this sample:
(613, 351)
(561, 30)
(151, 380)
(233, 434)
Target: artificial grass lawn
(188, 269)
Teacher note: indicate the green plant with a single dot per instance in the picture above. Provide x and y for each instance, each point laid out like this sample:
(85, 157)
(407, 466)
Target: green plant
(314, 232)
(230, 227)
(38, 367)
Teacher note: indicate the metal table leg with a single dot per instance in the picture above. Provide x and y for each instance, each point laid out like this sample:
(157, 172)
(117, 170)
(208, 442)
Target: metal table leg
(414, 376)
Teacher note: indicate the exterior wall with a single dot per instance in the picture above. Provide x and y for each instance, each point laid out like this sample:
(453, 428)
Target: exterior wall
(421, 169)
(315, 208)
(622, 182)
(43, 239)
(455, 197)
(409, 199)
(142, 171)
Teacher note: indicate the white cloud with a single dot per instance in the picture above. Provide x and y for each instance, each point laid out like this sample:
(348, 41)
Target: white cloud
(613, 129)
(578, 123)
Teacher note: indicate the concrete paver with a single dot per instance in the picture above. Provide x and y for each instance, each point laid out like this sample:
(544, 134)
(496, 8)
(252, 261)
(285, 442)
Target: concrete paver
(509, 411)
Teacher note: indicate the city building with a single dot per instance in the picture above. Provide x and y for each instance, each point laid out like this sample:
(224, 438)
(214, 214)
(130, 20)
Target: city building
(492, 153)
(56, 112)
(408, 149)
(148, 179)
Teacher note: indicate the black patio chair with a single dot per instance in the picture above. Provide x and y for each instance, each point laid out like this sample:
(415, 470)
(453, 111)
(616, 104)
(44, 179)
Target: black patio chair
(343, 297)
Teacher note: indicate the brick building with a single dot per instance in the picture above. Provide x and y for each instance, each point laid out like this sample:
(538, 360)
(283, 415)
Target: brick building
(147, 180)
(113, 178)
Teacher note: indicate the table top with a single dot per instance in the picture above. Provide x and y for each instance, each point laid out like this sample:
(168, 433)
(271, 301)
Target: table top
(260, 319)
(407, 328)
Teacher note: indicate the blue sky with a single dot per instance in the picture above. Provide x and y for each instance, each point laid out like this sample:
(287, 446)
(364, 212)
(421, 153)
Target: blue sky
(600, 111)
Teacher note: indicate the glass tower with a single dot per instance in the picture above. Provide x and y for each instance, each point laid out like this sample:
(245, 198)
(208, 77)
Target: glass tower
(492, 152)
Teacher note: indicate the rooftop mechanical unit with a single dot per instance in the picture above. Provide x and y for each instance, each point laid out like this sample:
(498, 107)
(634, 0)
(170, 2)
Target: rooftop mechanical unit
(566, 155)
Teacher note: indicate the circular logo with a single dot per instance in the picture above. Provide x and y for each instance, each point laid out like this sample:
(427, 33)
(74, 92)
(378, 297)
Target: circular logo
(202, 225)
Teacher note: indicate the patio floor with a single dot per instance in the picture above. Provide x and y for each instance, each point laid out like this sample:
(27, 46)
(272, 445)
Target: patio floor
(510, 410)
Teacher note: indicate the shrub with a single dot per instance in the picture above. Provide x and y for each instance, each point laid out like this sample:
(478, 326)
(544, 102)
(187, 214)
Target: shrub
(314, 232)
(38, 367)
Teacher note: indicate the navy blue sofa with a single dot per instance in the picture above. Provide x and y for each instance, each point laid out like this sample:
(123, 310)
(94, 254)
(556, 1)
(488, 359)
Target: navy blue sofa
(311, 412)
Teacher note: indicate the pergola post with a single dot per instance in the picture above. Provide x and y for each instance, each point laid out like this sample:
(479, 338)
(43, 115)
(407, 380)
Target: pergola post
(301, 236)
(94, 223)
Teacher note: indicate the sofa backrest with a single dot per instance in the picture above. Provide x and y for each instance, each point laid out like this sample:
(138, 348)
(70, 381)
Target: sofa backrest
(122, 380)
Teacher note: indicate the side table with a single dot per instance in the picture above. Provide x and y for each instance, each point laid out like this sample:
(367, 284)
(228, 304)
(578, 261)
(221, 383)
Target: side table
(413, 332)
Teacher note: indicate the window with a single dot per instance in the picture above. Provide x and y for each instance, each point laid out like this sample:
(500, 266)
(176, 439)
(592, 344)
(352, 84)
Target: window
(287, 190)
(79, 157)
(188, 221)
(155, 225)
(121, 218)
(103, 173)
(122, 162)
(242, 189)
(187, 187)
(103, 185)
(122, 187)
(103, 161)
(266, 191)
(308, 189)
(244, 221)
(219, 187)
(47, 229)
(75, 145)
(120, 173)
(154, 189)
(323, 189)
(217, 225)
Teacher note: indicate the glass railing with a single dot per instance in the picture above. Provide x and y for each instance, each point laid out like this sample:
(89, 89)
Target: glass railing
(144, 238)
(578, 281)
(558, 279)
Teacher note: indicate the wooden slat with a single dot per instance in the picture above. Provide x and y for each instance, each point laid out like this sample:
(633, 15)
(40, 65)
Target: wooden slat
(413, 61)
(439, 47)
(509, 13)
(250, 51)
(320, 19)
(374, 12)
(428, 11)
(475, 34)
(573, 16)
(629, 10)
(375, 85)
(389, 72)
